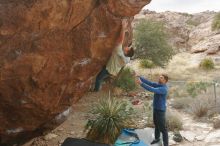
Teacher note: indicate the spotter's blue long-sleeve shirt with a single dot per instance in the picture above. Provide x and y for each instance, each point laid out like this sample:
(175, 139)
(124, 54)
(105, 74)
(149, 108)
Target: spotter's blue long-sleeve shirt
(160, 93)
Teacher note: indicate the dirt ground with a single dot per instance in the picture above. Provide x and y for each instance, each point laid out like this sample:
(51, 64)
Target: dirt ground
(73, 126)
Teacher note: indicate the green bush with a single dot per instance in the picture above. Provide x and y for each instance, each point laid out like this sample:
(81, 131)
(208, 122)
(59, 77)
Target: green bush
(126, 80)
(216, 22)
(173, 121)
(109, 117)
(207, 64)
(144, 63)
(151, 42)
(193, 89)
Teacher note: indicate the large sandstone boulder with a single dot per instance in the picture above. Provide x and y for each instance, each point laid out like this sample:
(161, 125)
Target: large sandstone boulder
(50, 50)
(204, 29)
(202, 38)
(210, 45)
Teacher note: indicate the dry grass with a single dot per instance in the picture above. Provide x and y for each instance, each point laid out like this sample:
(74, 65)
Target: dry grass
(177, 91)
(216, 124)
(182, 103)
(173, 121)
(200, 107)
(149, 112)
(183, 66)
(199, 110)
(216, 22)
(192, 22)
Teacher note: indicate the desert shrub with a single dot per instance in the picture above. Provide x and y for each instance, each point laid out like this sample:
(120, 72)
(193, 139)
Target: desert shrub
(199, 107)
(181, 103)
(144, 63)
(149, 112)
(216, 124)
(194, 89)
(192, 22)
(173, 93)
(126, 80)
(216, 22)
(151, 42)
(207, 64)
(173, 121)
(109, 117)
(186, 14)
(177, 91)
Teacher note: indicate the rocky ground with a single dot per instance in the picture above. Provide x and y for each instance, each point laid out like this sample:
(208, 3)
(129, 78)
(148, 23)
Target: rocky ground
(195, 133)
(198, 133)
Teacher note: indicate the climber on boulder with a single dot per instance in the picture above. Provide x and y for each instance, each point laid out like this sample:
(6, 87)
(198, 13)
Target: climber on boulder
(120, 57)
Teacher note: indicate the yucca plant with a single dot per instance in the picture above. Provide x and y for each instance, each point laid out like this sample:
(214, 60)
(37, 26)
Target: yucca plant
(109, 117)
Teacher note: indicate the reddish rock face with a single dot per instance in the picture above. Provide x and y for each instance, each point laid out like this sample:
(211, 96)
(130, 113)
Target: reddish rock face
(50, 50)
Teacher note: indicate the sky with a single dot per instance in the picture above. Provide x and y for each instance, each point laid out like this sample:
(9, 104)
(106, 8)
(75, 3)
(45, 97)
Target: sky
(190, 6)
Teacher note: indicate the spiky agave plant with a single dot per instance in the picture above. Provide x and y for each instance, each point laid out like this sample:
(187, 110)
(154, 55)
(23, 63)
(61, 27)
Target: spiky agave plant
(109, 117)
